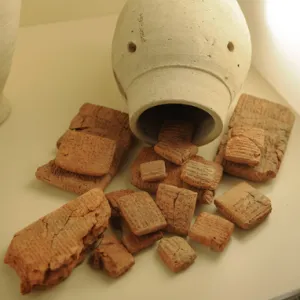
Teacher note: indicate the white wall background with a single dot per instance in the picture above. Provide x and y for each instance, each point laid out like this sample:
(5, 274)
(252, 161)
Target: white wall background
(274, 26)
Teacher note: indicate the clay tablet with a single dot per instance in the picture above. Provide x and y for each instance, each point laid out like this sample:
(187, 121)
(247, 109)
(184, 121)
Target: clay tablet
(177, 152)
(178, 207)
(45, 252)
(85, 154)
(275, 120)
(244, 205)
(176, 253)
(71, 182)
(112, 256)
(212, 231)
(134, 243)
(153, 171)
(141, 213)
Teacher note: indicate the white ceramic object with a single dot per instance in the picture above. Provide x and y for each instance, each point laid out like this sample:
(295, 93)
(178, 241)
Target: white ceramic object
(9, 23)
(182, 59)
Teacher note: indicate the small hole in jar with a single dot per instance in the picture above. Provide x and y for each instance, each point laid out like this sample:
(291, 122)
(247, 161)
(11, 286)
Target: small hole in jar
(230, 46)
(131, 47)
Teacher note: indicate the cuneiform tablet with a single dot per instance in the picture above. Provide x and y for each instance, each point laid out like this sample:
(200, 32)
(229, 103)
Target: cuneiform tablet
(242, 150)
(176, 253)
(46, 252)
(176, 152)
(244, 205)
(147, 154)
(69, 181)
(202, 174)
(134, 243)
(113, 197)
(212, 231)
(141, 213)
(112, 256)
(274, 120)
(178, 206)
(176, 130)
(153, 171)
(85, 153)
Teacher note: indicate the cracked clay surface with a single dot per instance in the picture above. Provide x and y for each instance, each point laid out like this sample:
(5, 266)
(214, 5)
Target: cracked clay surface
(46, 251)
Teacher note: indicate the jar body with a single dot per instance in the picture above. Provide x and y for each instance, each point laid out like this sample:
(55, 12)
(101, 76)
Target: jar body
(187, 59)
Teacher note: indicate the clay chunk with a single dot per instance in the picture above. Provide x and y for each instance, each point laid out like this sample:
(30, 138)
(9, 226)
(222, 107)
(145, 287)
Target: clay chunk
(112, 256)
(147, 154)
(141, 213)
(153, 171)
(176, 130)
(244, 205)
(176, 253)
(71, 182)
(202, 174)
(212, 231)
(135, 244)
(177, 152)
(275, 123)
(46, 252)
(178, 207)
(85, 154)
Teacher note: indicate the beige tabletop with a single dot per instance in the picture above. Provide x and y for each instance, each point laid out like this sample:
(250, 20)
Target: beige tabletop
(57, 68)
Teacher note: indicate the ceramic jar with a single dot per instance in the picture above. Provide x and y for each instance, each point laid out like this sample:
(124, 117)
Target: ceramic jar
(9, 23)
(182, 59)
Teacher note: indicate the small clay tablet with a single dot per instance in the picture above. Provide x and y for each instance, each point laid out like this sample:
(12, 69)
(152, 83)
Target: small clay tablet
(205, 174)
(71, 182)
(112, 198)
(85, 153)
(178, 206)
(147, 154)
(244, 205)
(212, 231)
(176, 253)
(135, 244)
(176, 130)
(113, 256)
(242, 150)
(153, 171)
(176, 152)
(141, 213)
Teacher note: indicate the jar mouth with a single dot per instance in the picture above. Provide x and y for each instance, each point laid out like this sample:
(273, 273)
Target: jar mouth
(149, 122)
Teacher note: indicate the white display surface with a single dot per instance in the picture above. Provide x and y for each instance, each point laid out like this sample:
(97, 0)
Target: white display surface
(57, 68)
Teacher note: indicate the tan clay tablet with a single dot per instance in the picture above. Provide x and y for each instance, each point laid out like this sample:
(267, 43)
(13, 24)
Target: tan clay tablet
(176, 152)
(46, 252)
(242, 150)
(178, 207)
(71, 182)
(141, 213)
(176, 130)
(147, 154)
(153, 171)
(85, 153)
(135, 244)
(176, 253)
(105, 122)
(205, 175)
(275, 123)
(113, 256)
(113, 197)
(212, 231)
(244, 205)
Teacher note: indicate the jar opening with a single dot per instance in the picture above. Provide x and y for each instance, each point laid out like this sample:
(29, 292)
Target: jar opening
(151, 120)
